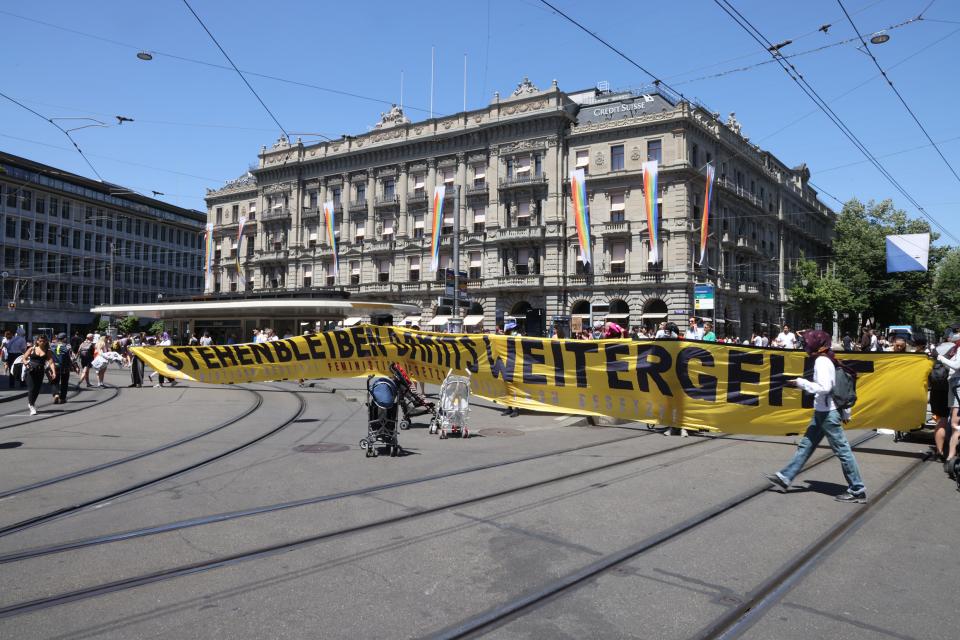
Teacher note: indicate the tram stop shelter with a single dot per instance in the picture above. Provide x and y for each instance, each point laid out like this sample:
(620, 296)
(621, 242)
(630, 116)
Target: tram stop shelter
(234, 320)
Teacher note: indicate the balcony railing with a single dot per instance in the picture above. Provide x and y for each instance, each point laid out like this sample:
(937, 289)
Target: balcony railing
(520, 281)
(523, 181)
(620, 227)
(377, 287)
(277, 213)
(357, 206)
(380, 245)
(520, 233)
(309, 213)
(740, 191)
(478, 189)
(387, 201)
(417, 196)
(272, 255)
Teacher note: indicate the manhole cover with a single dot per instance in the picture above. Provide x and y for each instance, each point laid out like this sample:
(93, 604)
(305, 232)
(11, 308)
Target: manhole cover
(321, 448)
(501, 432)
(10, 445)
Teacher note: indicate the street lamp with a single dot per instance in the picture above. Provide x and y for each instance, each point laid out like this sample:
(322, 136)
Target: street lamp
(145, 55)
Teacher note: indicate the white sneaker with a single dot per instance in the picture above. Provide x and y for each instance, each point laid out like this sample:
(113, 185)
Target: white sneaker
(33, 410)
(157, 386)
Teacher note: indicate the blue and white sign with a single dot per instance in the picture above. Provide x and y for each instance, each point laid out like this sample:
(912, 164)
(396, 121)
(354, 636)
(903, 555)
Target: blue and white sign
(909, 252)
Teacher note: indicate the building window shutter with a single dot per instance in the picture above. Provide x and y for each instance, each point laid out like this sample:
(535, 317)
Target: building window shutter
(617, 202)
(476, 259)
(479, 214)
(448, 175)
(479, 172)
(388, 226)
(523, 164)
(418, 221)
(523, 210)
(418, 181)
(583, 158)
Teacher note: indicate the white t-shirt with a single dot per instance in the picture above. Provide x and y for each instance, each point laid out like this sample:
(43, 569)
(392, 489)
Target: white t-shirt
(788, 340)
(758, 341)
(206, 341)
(873, 343)
(693, 333)
(824, 377)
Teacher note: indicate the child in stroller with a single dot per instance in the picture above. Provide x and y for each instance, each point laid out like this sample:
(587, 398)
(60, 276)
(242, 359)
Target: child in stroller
(382, 413)
(413, 403)
(454, 406)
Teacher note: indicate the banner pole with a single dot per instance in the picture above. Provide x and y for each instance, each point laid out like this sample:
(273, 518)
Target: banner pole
(456, 253)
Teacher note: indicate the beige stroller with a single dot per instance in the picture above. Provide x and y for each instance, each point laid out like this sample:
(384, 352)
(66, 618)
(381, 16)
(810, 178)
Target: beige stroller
(453, 407)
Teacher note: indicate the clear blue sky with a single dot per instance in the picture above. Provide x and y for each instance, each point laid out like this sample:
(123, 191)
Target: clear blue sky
(197, 125)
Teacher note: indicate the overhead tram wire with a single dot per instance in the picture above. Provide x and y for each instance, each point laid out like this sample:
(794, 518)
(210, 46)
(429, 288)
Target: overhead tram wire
(61, 129)
(242, 77)
(913, 115)
(213, 65)
(815, 97)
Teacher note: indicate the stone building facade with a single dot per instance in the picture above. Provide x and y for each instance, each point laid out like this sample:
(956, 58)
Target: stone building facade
(70, 243)
(510, 164)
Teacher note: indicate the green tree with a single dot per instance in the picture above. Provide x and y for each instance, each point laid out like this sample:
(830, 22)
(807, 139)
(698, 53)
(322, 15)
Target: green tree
(859, 262)
(814, 296)
(129, 324)
(156, 327)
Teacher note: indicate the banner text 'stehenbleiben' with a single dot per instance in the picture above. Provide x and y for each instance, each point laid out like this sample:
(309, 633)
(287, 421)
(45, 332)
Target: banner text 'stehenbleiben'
(697, 385)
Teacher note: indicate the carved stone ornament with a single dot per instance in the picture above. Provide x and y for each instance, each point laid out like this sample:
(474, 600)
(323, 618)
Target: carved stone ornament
(598, 159)
(732, 123)
(392, 118)
(281, 143)
(525, 88)
(635, 153)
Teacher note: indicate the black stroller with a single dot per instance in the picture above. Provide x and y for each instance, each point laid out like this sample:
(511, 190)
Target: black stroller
(382, 416)
(413, 403)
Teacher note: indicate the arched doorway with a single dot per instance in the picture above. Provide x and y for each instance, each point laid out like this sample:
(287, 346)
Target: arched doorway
(473, 321)
(516, 320)
(619, 312)
(579, 316)
(654, 312)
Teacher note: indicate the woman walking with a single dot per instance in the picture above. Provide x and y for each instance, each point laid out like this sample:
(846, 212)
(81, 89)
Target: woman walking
(38, 359)
(826, 421)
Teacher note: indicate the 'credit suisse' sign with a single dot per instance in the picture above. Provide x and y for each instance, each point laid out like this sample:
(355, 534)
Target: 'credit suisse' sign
(621, 109)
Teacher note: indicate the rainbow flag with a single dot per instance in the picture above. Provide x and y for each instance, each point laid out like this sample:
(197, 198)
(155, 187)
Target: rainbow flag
(242, 220)
(208, 245)
(438, 193)
(330, 222)
(653, 215)
(706, 213)
(581, 212)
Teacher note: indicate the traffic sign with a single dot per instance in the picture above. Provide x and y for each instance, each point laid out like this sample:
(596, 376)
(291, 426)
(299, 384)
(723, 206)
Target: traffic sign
(703, 297)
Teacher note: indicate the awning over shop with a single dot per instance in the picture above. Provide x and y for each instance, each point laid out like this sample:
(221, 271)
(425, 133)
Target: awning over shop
(349, 322)
(653, 316)
(438, 321)
(617, 316)
(472, 321)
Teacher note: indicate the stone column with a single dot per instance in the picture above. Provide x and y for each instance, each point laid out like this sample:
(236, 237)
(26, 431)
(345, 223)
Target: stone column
(461, 179)
(403, 184)
(344, 215)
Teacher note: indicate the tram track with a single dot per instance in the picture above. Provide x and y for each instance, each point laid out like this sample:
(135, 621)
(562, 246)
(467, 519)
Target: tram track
(731, 624)
(103, 499)
(290, 545)
(282, 506)
(63, 412)
(258, 401)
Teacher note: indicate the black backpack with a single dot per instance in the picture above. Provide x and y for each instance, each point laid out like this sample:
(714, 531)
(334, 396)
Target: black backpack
(844, 390)
(939, 377)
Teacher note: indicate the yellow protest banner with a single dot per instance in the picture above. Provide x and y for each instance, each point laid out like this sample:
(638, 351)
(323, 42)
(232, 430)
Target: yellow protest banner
(697, 385)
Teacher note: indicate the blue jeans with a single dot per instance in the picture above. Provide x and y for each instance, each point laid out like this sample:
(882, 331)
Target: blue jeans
(826, 423)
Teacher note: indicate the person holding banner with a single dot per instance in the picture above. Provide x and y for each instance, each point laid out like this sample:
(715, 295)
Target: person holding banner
(826, 421)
